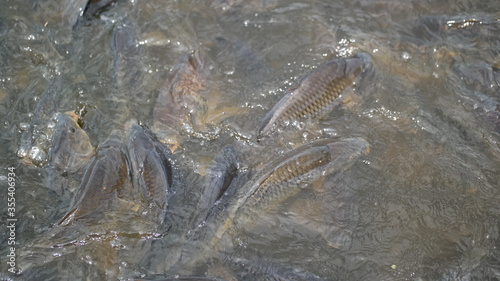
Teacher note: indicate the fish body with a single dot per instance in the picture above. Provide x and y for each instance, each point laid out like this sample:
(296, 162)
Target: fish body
(103, 180)
(221, 173)
(126, 56)
(316, 94)
(275, 183)
(187, 278)
(71, 149)
(285, 176)
(266, 270)
(179, 99)
(151, 166)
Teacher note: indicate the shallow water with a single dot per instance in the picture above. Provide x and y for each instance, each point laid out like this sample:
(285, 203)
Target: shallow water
(425, 197)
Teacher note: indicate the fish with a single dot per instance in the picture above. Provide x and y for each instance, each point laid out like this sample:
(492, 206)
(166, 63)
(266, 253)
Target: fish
(266, 270)
(243, 269)
(275, 183)
(179, 100)
(295, 170)
(480, 77)
(103, 180)
(316, 94)
(71, 148)
(151, 167)
(221, 173)
(184, 278)
(126, 56)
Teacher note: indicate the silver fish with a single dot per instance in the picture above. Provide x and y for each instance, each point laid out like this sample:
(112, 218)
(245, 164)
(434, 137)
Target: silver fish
(126, 56)
(221, 173)
(151, 166)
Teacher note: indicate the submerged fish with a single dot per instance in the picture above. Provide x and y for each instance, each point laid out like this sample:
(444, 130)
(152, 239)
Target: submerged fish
(179, 99)
(187, 278)
(285, 176)
(104, 178)
(316, 94)
(241, 58)
(71, 149)
(275, 183)
(266, 270)
(151, 167)
(126, 56)
(222, 171)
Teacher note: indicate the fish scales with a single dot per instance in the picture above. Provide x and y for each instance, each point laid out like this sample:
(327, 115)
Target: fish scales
(156, 182)
(100, 189)
(122, 175)
(296, 168)
(151, 168)
(320, 95)
(316, 94)
(280, 183)
(150, 179)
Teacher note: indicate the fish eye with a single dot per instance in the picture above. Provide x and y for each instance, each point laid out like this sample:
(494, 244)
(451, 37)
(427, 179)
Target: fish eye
(72, 130)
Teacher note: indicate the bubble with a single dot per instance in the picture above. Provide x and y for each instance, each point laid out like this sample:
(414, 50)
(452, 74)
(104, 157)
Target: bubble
(38, 156)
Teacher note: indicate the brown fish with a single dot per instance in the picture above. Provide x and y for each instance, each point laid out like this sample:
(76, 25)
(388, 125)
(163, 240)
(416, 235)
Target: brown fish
(285, 176)
(275, 183)
(316, 94)
(179, 99)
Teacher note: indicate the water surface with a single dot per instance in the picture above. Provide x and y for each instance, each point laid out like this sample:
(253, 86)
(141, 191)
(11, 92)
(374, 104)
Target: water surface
(426, 196)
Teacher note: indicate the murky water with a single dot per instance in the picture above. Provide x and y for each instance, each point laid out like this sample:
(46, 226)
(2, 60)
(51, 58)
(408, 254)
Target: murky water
(421, 205)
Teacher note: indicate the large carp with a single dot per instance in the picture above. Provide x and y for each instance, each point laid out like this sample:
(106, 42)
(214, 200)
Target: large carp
(316, 94)
(103, 181)
(276, 182)
(151, 167)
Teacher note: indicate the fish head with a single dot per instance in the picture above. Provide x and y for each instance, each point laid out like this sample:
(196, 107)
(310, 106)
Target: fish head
(71, 148)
